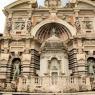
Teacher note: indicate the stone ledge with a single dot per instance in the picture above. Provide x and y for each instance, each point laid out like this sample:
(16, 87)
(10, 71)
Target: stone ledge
(23, 93)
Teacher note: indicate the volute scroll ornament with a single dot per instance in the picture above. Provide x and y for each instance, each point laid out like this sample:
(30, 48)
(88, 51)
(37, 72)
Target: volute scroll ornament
(9, 24)
(29, 24)
(77, 24)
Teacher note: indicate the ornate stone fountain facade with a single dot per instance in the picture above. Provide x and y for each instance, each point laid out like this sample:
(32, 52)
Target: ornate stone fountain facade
(49, 48)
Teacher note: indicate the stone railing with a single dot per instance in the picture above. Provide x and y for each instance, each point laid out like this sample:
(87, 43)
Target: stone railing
(54, 84)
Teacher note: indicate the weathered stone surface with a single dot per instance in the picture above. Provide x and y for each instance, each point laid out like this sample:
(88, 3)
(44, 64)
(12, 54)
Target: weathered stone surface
(55, 46)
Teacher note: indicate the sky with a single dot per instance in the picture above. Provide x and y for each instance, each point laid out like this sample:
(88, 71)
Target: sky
(4, 3)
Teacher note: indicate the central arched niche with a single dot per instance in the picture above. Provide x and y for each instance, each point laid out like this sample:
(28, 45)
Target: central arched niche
(15, 68)
(45, 32)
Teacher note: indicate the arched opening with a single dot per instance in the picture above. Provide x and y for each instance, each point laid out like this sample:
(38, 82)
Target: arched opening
(54, 69)
(15, 68)
(91, 65)
(54, 66)
(45, 32)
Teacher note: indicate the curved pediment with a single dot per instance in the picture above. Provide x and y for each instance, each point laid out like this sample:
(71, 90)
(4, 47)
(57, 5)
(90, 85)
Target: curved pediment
(86, 4)
(19, 4)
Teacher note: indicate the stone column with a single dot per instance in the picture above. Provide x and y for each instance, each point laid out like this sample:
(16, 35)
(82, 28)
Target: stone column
(81, 69)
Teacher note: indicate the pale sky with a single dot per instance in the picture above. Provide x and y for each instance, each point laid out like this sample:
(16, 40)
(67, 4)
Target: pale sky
(3, 3)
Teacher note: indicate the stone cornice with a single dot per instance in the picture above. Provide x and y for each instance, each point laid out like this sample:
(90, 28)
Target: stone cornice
(16, 38)
(47, 10)
(18, 2)
(85, 36)
(87, 1)
(40, 9)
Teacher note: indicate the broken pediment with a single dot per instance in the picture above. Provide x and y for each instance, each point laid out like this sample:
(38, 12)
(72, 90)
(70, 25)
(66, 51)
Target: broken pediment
(20, 4)
(85, 6)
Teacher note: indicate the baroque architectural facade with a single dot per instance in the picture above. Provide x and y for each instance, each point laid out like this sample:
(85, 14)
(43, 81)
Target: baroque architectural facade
(49, 48)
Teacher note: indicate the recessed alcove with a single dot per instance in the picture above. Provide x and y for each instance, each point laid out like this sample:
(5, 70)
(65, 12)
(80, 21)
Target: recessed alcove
(45, 32)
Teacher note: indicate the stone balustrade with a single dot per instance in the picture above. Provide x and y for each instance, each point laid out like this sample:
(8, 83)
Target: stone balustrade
(54, 84)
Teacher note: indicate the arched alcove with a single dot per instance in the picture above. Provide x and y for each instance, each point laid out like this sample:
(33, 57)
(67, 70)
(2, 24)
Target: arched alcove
(45, 32)
(15, 68)
(54, 67)
(91, 65)
(54, 70)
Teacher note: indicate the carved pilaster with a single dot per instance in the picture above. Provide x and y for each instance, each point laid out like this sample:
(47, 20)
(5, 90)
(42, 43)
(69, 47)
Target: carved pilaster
(8, 73)
(77, 21)
(8, 24)
(29, 24)
(73, 60)
(35, 62)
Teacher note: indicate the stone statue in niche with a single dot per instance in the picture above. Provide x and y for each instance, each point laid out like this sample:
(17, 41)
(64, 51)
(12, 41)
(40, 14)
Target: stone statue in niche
(53, 31)
(29, 25)
(16, 68)
(9, 24)
(91, 66)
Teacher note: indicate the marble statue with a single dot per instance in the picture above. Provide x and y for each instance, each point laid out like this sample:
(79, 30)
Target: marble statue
(16, 69)
(53, 32)
(91, 67)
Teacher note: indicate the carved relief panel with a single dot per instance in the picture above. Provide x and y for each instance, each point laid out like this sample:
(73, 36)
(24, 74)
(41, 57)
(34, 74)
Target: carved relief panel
(19, 24)
(87, 23)
(17, 46)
